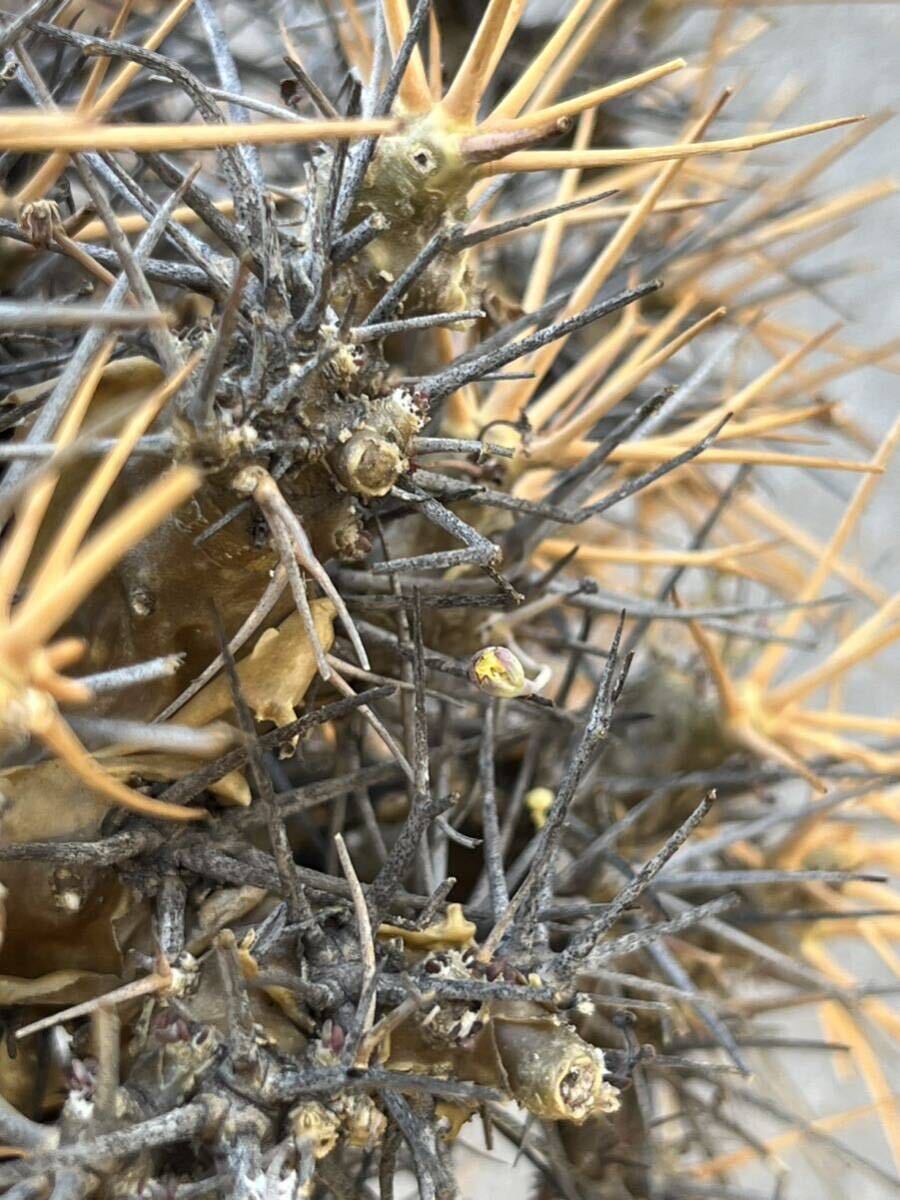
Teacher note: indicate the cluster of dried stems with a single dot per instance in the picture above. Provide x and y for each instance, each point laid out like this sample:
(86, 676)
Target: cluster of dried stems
(394, 491)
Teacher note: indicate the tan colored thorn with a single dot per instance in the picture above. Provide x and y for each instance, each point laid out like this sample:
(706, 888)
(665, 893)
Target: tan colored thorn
(414, 93)
(556, 160)
(808, 545)
(101, 66)
(60, 555)
(596, 213)
(554, 402)
(764, 425)
(724, 684)
(159, 981)
(364, 54)
(33, 508)
(461, 414)
(815, 380)
(743, 717)
(881, 629)
(840, 748)
(657, 450)
(50, 171)
(137, 222)
(38, 617)
(786, 331)
(592, 99)
(510, 25)
(620, 385)
(738, 1159)
(772, 749)
(520, 93)
(773, 655)
(58, 737)
(731, 169)
(45, 665)
(887, 727)
(772, 194)
(507, 406)
(552, 82)
(719, 557)
(756, 387)
(74, 251)
(547, 257)
(811, 217)
(130, 71)
(435, 56)
(544, 264)
(76, 134)
(496, 27)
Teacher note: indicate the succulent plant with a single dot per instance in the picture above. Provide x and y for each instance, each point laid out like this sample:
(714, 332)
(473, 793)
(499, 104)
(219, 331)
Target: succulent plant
(359, 478)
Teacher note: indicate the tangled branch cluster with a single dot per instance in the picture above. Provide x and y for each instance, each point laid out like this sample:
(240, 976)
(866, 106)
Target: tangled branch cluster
(411, 609)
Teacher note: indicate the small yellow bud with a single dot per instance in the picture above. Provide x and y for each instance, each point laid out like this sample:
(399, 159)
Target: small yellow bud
(498, 672)
(538, 801)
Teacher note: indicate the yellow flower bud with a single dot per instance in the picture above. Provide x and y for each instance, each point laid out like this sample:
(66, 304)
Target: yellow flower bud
(538, 802)
(498, 672)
